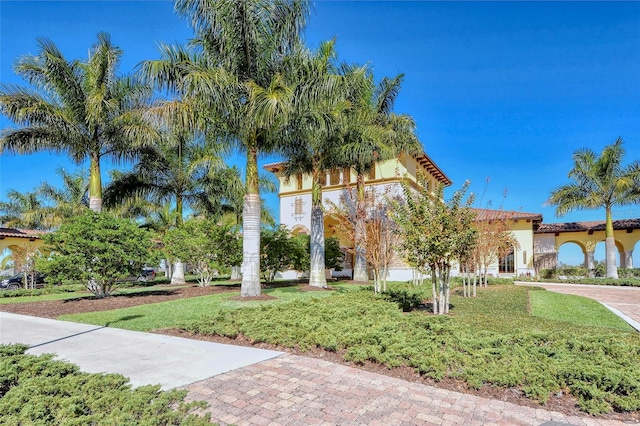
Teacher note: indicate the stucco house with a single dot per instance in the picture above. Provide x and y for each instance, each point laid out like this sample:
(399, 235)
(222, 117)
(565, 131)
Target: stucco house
(537, 243)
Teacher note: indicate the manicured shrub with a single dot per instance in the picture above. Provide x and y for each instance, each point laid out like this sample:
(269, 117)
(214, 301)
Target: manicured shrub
(490, 340)
(40, 390)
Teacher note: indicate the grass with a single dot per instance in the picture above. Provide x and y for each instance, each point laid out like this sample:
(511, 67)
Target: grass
(175, 312)
(574, 310)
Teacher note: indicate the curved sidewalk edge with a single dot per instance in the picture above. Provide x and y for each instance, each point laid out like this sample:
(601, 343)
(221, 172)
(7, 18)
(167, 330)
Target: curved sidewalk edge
(146, 358)
(623, 301)
(628, 320)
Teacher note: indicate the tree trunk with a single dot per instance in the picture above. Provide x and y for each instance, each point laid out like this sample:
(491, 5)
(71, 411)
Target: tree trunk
(360, 268)
(250, 286)
(317, 276)
(610, 247)
(434, 294)
(236, 273)
(447, 289)
(178, 273)
(95, 184)
(441, 298)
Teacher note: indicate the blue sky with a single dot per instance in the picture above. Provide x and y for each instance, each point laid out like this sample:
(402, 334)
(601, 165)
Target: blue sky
(504, 91)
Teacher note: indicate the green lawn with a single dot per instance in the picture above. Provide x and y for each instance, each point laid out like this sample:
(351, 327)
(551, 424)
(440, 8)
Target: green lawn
(573, 309)
(175, 312)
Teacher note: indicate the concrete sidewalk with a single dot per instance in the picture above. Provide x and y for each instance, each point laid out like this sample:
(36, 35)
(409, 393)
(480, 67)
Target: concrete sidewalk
(146, 358)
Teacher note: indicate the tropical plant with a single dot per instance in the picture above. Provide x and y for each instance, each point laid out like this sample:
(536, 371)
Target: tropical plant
(85, 109)
(600, 181)
(371, 133)
(68, 201)
(315, 144)
(234, 74)
(23, 210)
(97, 249)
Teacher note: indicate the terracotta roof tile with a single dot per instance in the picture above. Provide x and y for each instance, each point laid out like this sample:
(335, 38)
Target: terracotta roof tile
(21, 233)
(489, 214)
(592, 226)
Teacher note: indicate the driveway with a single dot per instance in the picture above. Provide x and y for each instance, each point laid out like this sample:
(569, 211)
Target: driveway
(623, 301)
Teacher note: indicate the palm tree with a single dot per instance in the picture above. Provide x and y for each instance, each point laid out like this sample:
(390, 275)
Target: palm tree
(313, 135)
(600, 181)
(84, 109)
(23, 210)
(66, 202)
(373, 133)
(234, 70)
(183, 171)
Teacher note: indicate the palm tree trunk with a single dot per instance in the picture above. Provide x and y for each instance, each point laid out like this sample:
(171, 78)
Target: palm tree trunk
(178, 273)
(317, 277)
(95, 184)
(251, 229)
(360, 267)
(610, 247)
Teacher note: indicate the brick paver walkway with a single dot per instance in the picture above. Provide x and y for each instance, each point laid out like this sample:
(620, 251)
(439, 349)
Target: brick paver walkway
(624, 299)
(295, 390)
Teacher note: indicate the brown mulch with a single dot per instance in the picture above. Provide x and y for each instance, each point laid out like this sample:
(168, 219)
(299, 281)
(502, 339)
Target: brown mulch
(563, 403)
(56, 308)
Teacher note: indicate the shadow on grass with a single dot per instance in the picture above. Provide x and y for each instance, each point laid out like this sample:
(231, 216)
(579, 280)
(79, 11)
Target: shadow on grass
(123, 319)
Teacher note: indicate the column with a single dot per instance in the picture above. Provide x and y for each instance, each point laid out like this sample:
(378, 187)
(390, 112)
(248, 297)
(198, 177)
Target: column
(589, 262)
(628, 259)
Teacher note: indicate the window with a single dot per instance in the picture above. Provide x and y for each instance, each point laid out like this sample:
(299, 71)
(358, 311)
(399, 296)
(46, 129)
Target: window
(506, 264)
(334, 177)
(299, 206)
(371, 175)
(299, 181)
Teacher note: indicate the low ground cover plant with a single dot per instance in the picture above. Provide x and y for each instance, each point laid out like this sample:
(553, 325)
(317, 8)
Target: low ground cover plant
(491, 339)
(39, 390)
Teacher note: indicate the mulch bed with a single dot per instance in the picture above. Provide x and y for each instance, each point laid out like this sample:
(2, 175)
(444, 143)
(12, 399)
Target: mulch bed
(52, 309)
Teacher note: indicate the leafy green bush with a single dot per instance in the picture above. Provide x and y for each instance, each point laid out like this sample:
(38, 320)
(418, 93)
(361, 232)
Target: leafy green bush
(40, 390)
(490, 340)
(406, 299)
(41, 291)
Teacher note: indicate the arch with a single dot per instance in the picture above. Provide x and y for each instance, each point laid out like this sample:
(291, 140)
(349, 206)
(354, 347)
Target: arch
(568, 255)
(300, 229)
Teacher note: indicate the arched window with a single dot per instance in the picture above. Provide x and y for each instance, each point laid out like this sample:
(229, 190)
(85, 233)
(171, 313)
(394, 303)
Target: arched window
(506, 264)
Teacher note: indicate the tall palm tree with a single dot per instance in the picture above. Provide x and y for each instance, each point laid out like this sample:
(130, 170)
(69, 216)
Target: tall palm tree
(235, 71)
(85, 109)
(373, 132)
(313, 133)
(600, 181)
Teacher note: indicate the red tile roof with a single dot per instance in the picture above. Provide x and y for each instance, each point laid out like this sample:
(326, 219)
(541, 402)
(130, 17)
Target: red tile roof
(587, 226)
(488, 214)
(20, 233)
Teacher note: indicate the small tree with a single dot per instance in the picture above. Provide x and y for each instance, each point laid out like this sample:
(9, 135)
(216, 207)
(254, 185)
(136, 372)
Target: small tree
(379, 239)
(210, 247)
(333, 256)
(98, 249)
(436, 234)
(495, 240)
(280, 252)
